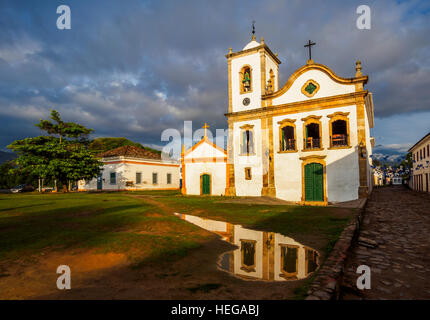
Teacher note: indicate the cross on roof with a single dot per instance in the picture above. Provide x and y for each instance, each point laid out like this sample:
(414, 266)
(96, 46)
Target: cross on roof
(253, 30)
(205, 126)
(309, 45)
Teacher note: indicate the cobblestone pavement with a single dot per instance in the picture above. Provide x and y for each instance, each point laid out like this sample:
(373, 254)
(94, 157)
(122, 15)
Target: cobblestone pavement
(398, 220)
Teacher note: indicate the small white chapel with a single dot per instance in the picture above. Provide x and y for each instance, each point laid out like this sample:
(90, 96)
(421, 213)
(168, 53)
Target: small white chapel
(307, 142)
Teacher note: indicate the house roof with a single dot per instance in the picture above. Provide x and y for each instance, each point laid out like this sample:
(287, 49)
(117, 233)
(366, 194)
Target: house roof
(419, 141)
(130, 151)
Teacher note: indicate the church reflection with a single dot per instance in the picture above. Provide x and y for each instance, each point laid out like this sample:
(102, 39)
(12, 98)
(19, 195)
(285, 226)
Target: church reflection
(260, 255)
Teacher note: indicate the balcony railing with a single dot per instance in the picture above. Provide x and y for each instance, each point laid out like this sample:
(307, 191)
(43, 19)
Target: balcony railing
(339, 140)
(288, 145)
(312, 143)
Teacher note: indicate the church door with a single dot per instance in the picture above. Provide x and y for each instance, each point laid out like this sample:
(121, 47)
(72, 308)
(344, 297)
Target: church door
(314, 189)
(99, 182)
(206, 184)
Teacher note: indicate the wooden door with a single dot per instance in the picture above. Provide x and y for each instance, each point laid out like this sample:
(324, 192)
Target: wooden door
(314, 183)
(206, 184)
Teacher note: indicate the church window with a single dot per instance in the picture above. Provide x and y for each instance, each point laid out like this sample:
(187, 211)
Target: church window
(245, 77)
(169, 178)
(289, 261)
(113, 178)
(310, 88)
(138, 177)
(154, 178)
(247, 140)
(312, 133)
(247, 248)
(248, 175)
(287, 135)
(339, 130)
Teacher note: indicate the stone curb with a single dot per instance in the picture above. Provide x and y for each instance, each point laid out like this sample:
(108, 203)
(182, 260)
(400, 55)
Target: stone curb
(326, 284)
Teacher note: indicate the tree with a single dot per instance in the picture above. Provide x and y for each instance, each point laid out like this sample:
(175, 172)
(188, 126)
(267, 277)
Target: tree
(63, 154)
(407, 162)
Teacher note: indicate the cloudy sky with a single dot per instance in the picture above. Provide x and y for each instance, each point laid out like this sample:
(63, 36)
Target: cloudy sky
(134, 68)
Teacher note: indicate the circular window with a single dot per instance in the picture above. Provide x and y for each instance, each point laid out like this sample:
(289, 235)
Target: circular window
(246, 101)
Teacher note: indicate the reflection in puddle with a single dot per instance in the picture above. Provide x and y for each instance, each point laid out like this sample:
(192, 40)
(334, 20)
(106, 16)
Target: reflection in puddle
(260, 255)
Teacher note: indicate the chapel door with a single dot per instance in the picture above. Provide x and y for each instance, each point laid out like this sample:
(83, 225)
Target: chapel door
(314, 189)
(206, 184)
(99, 182)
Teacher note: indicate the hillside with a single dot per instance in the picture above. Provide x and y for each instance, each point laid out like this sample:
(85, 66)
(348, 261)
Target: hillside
(99, 145)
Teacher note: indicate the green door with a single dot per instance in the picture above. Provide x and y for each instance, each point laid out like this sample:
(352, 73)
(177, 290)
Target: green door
(314, 189)
(99, 182)
(206, 184)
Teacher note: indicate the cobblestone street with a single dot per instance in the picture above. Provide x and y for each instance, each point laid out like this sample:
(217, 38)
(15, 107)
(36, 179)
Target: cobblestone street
(396, 236)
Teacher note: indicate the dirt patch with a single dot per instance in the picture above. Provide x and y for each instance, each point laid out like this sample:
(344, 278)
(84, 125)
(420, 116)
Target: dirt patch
(33, 276)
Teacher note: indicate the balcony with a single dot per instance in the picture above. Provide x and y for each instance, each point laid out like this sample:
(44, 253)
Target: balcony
(288, 145)
(339, 140)
(312, 143)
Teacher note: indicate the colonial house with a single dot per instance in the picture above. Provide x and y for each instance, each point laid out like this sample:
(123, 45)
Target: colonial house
(307, 141)
(421, 160)
(133, 168)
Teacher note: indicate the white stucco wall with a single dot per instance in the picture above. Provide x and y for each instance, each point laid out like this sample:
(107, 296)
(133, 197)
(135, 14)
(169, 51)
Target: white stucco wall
(248, 187)
(236, 65)
(217, 171)
(342, 175)
(200, 161)
(328, 87)
(127, 172)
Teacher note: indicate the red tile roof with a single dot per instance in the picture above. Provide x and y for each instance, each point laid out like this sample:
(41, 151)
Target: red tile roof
(130, 151)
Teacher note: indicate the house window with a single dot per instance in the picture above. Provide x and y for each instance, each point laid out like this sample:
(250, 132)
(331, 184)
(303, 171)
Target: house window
(154, 178)
(339, 129)
(247, 143)
(247, 248)
(245, 78)
(289, 261)
(169, 178)
(138, 177)
(113, 178)
(248, 175)
(311, 260)
(287, 135)
(312, 133)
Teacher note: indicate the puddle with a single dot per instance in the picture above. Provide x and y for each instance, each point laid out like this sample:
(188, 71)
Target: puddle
(260, 255)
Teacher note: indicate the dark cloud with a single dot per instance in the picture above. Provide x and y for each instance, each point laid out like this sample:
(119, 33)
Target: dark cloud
(135, 68)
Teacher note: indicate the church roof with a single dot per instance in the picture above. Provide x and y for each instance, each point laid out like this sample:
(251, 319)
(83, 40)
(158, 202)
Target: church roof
(130, 151)
(251, 44)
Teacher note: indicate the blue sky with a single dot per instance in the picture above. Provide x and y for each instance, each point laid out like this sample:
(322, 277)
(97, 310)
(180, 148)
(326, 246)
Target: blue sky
(134, 68)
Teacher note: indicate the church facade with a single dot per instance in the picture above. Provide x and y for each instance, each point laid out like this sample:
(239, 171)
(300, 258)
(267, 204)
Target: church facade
(308, 141)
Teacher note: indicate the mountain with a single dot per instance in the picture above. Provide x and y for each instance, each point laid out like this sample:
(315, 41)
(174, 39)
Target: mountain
(389, 155)
(6, 156)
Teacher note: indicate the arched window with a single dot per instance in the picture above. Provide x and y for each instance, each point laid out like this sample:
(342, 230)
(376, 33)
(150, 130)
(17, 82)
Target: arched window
(247, 248)
(245, 78)
(289, 261)
(287, 136)
(312, 133)
(247, 140)
(339, 130)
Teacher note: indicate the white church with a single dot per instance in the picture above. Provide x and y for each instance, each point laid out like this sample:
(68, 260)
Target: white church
(307, 142)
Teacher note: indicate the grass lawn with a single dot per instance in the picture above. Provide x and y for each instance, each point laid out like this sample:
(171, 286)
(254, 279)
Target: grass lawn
(140, 225)
(107, 222)
(289, 220)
